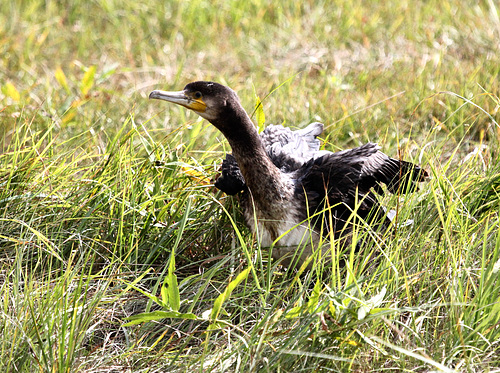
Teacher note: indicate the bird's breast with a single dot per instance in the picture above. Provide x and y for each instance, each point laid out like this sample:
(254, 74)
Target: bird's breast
(283, 226)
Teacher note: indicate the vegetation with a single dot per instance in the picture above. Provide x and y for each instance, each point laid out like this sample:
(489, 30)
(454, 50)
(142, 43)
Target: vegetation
(117, 254)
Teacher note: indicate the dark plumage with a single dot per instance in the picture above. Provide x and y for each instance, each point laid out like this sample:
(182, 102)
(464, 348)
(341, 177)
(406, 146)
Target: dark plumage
(286, 179)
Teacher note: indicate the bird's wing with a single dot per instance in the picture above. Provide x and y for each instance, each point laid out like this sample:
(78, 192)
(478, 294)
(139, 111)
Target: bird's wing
(344, 181)
(288, 149)
(338, 176)
(400, 176)
(369, 168)
(231, 180)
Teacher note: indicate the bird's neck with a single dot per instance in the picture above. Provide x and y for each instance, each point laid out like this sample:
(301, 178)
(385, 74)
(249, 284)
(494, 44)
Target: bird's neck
(265, 181)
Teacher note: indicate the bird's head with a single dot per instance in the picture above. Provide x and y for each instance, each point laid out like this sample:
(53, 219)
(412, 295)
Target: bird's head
(208, 99)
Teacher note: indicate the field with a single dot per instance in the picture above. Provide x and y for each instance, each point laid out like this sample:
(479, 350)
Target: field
(117, 254)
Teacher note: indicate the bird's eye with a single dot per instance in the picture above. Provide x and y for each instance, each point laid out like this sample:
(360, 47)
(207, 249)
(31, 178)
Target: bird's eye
(197, 95)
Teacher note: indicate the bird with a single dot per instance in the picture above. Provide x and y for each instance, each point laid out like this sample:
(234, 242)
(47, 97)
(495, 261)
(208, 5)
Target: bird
(294, 195)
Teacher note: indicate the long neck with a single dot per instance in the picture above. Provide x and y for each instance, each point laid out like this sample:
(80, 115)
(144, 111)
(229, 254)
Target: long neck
(262, 177)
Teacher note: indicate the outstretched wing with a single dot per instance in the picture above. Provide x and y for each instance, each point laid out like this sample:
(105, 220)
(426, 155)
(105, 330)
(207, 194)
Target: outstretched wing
(344, 181)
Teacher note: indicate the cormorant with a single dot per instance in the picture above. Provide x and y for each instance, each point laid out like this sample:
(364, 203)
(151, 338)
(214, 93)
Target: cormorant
(286, 179)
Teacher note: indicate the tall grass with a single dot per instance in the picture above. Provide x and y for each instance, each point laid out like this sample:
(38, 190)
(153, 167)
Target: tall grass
(117, 254)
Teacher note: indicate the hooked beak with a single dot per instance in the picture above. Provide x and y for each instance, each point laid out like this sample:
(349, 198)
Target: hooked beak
(180, 98)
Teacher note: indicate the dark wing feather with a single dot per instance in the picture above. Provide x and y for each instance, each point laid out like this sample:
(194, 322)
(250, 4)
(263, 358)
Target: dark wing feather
(400, 176)
(345, 179)
(231, 180)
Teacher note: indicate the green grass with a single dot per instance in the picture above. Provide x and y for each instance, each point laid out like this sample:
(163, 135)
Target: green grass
(99, 186)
